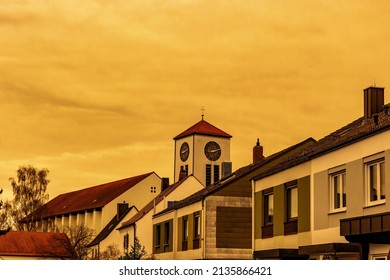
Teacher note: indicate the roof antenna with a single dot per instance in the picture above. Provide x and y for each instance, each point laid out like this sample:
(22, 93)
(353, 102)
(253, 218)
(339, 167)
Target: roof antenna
(203, 109)
(373, 83)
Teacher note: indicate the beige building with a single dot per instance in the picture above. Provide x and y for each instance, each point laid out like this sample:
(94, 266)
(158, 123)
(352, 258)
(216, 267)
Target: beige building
(216, 222)
(140, 224)
(101, 208)
(330, 201)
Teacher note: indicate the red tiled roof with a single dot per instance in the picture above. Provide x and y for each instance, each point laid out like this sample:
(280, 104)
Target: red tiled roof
(353, 132)
(85, 199)
(35, 244)
(203, 128)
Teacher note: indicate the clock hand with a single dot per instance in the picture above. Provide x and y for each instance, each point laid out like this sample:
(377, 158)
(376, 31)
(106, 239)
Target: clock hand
(213, 151)
(184, 151)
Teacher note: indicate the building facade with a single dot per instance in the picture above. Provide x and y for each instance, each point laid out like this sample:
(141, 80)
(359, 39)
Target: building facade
(216, 222)
(99, 208)
(335, 192)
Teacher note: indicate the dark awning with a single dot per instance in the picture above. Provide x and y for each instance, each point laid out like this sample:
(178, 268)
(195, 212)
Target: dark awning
(283, 254)
(330, 248)
(367, 229)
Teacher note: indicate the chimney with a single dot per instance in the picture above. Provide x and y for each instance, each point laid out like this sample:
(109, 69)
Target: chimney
(373, 101)
(257, 152)
(121, 208)
(164, 184)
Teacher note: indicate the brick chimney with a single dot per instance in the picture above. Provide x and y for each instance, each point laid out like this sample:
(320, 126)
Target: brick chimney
(121, 209)
(257, 152)
(373, 101)
(164, 183)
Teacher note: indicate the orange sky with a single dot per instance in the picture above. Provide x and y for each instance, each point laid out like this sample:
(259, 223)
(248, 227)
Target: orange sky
(96, 90)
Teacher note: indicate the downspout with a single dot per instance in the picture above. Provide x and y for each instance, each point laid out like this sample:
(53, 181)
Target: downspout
(203, 229)
(193, 154)
(135, 229)
(174, 165)
(253, 218)
(175, 233)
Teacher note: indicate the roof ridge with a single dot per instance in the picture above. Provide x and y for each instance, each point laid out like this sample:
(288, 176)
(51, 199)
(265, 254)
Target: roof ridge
(203, 128)
(107, 183)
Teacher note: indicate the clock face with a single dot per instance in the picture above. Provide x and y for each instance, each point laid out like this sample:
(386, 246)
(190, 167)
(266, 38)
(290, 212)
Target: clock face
(212, 151)
(184, 151)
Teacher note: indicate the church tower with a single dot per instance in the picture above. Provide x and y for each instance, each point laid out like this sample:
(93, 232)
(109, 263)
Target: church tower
(204, 151)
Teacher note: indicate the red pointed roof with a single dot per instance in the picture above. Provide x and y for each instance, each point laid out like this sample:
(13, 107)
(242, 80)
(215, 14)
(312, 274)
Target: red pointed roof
(85, 199)
(203, 128)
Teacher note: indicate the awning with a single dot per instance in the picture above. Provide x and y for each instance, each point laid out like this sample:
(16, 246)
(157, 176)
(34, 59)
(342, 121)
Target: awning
(284, 254)
(367, 229)
(329, 248)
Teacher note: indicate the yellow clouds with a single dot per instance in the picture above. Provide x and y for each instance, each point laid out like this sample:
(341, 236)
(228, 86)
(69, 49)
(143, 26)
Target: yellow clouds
(80, 77)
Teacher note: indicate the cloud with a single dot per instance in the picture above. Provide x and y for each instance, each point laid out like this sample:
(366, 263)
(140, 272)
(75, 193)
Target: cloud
(30, 95)
(80, 80)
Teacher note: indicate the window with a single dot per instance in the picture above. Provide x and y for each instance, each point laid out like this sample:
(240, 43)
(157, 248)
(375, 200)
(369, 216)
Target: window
(166, 234)
(208, 174)
(338, 191)
(216, 173)
(292, 203)
(196, 226)
(185, 228)
(268, 213)
(158, 236)
(375, 181)
(162, 237)
(195, 242)
(291, 222)
(126, 241)
(185, 234)
(268, 208)
(184, 169)
(153, 189)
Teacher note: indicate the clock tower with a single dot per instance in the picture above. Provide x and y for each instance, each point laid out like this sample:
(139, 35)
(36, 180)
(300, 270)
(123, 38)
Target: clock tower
(204, 151)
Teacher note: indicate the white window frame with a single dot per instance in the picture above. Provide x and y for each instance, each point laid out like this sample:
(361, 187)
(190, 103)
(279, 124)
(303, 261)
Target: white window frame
(367, 167)
(292, 203)
(268, 207)
(343, 186)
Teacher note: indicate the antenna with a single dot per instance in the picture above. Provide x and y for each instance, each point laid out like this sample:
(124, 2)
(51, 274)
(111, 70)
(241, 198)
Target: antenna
(373, 82)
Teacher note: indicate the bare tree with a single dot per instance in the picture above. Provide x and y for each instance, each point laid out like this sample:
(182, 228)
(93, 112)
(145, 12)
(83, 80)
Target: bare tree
(5, 223)
(29, 190)
(6, 220)
(80, 237)
(112, 252)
